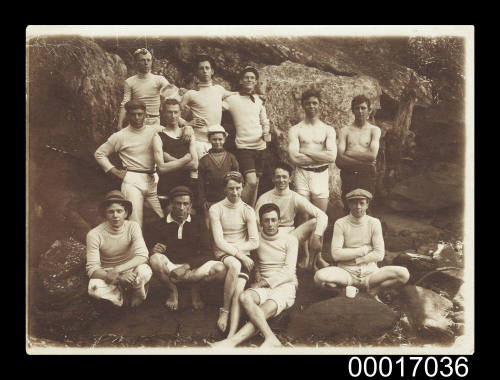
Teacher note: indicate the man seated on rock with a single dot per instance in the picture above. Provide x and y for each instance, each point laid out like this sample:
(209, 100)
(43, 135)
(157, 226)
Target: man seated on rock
(290, 204)
(135, 149)
(357, 150)
(117, 255)
(275, 280)
(357, 246)
(312, 147)
(168, 146)
(178, 255)
(252, 131)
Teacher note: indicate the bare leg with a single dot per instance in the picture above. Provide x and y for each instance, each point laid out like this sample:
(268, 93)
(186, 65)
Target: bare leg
(249, 193)
(322, 204)
(195, 296)
(248, 330)
(158, 263)
(234, 315)
(233, 266)
(387, 277)
(303, 240)
(331, 277)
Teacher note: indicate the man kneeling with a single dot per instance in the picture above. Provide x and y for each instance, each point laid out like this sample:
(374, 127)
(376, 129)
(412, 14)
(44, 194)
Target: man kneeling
(357, 245)
(276, 282)
(177, 254)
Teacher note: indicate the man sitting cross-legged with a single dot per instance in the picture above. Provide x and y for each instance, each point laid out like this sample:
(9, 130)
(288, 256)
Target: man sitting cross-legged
(290, 204)
(276, 282)
(357, 246)
(177, 254)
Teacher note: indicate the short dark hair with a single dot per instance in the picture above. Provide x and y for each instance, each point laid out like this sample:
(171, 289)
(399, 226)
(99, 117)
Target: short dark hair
(202, 58)
(135, 104)
(360, 99)
(233, 175)
(104, 206)
(312, 92)
(171, 102)
(284, 166)
(268, 207)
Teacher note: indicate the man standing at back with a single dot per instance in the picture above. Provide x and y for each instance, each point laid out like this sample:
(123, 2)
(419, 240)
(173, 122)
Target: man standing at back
(205, 103)
(312, 146)
(252, 131)
(357, 150)
(143, 86)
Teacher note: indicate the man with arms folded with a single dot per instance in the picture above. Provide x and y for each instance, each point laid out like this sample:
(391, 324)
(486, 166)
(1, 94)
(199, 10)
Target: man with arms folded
(252, 131)
(357, 150)
(290, 204)
(275, 281)
(357, 246)
(311, 148)
(178, 255)
(135, 149)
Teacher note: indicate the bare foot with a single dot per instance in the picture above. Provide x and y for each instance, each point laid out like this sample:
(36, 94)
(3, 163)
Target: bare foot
(172, 302)
(271, 342)
(302, 264)
(222, 321)
(221, 344)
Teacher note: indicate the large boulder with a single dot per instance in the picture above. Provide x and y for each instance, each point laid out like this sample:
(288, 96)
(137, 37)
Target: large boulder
(341, 316)
(61, 271)
(74, 92)
(283, 86)
(441, 187)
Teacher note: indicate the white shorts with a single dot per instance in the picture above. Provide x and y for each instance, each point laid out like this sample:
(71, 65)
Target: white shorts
(311, 184)
(100, 289)
(283, 295)
(170, 266)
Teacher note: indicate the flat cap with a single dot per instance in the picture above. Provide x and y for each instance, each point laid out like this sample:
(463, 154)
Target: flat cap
(359, 193)
(180, 190)
(216, 128)
(135, 104)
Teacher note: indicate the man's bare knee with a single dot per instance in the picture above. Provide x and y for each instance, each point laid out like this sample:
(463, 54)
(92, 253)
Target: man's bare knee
(403, 275)
(156, 263)
(233, 265)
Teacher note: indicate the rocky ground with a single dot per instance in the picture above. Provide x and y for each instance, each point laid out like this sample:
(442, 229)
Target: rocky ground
(61, 313)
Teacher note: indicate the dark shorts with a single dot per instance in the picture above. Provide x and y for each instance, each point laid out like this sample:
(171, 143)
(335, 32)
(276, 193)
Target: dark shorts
(251, 160)
(359, 177)
(244, 273)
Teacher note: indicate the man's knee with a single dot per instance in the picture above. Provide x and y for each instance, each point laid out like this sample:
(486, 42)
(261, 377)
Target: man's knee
(156, 262)
(144, 272)
(251, 179)
(233, 264)
(247, 298)
(403, 275)
(216, 269)
(320, 277)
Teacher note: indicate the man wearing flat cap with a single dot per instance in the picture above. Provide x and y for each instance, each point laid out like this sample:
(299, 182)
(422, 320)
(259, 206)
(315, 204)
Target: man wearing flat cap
(357, 246)
(252, 131)
(178, 254)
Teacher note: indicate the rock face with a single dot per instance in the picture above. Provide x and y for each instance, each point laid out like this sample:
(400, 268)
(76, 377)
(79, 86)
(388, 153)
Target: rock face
(427, 312)
(75, 89)
(357, 317)
(439, 188)
(283, 86)
(62, 304)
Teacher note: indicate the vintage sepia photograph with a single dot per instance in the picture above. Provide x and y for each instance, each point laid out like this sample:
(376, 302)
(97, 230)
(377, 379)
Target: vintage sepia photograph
(218, 189)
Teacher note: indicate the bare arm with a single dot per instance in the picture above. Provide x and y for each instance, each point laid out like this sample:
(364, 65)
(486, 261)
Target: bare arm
(339, 253)
(378, 252)
(193, 164)
(304, 206)
(372, 153)
(121, 118)
(158, 156)
(293, 149)
(329, 154)
(342, 158)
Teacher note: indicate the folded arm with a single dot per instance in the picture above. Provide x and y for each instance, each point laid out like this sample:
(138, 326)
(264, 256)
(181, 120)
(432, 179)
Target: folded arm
(296, 157)
(329, 154)
(378, 252)
(339, 253)
(159, 158)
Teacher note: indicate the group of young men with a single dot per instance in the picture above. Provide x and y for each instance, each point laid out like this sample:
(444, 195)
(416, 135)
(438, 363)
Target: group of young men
(183, 160)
